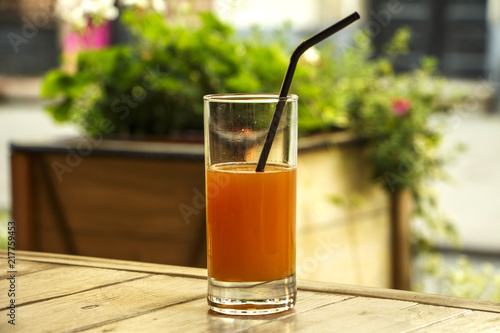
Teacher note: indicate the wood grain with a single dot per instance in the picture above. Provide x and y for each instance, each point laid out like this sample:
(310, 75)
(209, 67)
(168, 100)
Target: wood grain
(181, 317)
(401, 213)
(340, 316)
(143, 195)
(345, 242)
(23, 210)
(393, 294)
(24, 267)
(61, 281)
(62, 293)
(108, 303)
(472, 321)
(123, 265)
(305, 285)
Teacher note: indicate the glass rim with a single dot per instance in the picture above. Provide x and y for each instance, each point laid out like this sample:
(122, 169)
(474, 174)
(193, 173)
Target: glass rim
(247, 98)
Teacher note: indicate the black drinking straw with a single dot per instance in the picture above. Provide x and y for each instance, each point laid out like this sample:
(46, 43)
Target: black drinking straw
(287, 81)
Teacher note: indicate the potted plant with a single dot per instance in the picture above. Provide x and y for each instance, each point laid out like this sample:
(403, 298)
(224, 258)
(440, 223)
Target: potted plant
(152, 88)
(85, 25)
(400, 115)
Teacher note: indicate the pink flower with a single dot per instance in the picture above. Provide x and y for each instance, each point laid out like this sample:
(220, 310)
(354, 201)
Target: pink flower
(400, 106)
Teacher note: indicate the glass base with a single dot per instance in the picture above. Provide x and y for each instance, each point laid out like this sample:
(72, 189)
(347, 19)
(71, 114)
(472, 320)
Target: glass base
(252, 298)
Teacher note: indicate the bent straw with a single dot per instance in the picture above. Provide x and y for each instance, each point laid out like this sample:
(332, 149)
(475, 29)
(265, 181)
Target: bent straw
(287, 81)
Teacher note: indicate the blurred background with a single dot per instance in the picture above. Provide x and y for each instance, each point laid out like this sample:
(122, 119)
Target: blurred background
(462, 35)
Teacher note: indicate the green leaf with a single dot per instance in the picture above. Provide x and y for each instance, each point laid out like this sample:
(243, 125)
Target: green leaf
(55, 82)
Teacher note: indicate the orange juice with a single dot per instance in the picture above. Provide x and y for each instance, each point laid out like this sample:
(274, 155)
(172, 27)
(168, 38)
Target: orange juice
(250, 222)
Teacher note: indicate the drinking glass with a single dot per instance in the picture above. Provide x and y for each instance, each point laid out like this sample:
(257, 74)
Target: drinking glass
(250, 215)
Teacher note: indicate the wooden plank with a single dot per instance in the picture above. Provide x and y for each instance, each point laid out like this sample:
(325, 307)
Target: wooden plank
(106, 304)
(344, 172)
(405, 319)
(149, 225)
(430, 299)
(469, 322)
(355, 252)
(401, 212)
(339, 242)
(194, 316)
(24, 267)
(151, 248)
(363, 314)
(339, 316)
(303, 285)
(123, 148)
(151, 188)
(123, 265)
(62, 280)
(23, 210)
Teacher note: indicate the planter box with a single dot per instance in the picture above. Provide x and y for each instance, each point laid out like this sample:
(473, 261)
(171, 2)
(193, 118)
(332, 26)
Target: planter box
(120, 201)
(144, 201)
(348, 242)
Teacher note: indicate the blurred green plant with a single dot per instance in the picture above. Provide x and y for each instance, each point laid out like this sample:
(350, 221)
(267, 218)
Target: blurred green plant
(460, 279)
(154, 85)
(4, 218)
(397, 114)
(392, 110)
(400, 116)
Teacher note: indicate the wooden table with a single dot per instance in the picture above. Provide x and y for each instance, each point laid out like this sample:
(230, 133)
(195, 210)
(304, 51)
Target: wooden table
(63, 293)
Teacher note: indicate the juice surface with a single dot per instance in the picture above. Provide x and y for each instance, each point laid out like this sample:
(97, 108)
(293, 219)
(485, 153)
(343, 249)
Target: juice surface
(250, 222)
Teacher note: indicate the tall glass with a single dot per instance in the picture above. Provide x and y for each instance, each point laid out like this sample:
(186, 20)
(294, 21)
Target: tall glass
(250, 215)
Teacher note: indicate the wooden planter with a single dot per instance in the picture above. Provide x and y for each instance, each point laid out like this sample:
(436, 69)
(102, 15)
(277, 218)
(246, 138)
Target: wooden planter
(144, 201)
